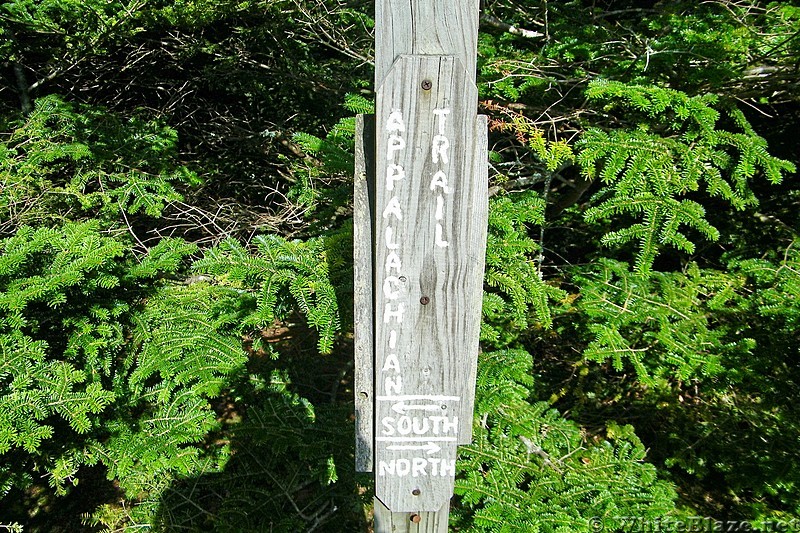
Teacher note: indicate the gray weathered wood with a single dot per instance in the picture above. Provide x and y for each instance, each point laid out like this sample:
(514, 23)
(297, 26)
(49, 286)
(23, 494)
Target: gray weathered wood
(424, 522)
(430, 236)
(425, 27)
(363, 203)
(476, 225)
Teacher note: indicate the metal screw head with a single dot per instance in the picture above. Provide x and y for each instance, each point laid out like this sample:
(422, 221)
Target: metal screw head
(424, 300)
(426, 85)
(416, 518)
(416, 492)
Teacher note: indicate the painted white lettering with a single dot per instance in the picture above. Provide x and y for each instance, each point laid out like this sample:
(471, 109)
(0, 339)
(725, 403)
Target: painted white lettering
(441, 114)
(392, 384)
(395, 121)
(448, 426)
(392, 262)
(391, 363)
(439, 149)
(403, 467)
(396, 143)
(440, 180)
(393, 208)
(448, 467)
(386, 468)
(420, 425)
(439, 207)
(397, 314)
(440, 242)
(394, 173)
(389, 240)
(392, 339)
(443, 424)
(388, 428)
(392, 287)
(404, 425)
(418, 467)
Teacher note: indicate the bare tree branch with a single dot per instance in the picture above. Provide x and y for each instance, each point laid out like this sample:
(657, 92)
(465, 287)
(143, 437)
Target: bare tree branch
(509, 28)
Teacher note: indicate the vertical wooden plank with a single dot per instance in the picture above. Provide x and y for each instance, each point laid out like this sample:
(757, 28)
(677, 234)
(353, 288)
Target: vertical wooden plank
(430, 235)
(429, 230)
(363, 202)
(422, 522)
(425, 27)
(475, 225)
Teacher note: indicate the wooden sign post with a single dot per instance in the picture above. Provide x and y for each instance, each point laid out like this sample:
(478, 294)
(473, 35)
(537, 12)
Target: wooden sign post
(420, 237)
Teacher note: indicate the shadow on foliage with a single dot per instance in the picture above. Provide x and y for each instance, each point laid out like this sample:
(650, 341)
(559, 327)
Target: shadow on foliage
(729, 443)
(289, 427)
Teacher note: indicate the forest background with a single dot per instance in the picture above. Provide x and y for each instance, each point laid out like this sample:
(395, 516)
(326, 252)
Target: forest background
(176, 266)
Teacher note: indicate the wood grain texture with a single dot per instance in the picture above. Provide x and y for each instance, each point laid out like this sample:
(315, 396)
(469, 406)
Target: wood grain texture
(476, 225)
(363, 202)
(425, 27)
(428, 522)
(430, 237)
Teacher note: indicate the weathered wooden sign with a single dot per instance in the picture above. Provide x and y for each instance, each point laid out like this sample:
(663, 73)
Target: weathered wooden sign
(420, 232)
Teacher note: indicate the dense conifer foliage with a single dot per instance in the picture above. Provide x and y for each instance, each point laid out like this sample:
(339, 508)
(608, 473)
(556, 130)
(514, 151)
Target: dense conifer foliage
(176, 266)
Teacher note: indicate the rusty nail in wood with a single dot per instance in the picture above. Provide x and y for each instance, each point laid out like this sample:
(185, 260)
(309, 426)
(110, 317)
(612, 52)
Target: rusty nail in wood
(426, 85)
(416, 492)
(424, 300)
(416, 518)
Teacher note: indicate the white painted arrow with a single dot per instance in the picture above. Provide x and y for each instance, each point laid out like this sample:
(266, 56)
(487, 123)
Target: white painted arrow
(401, 408)
(429, 448)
